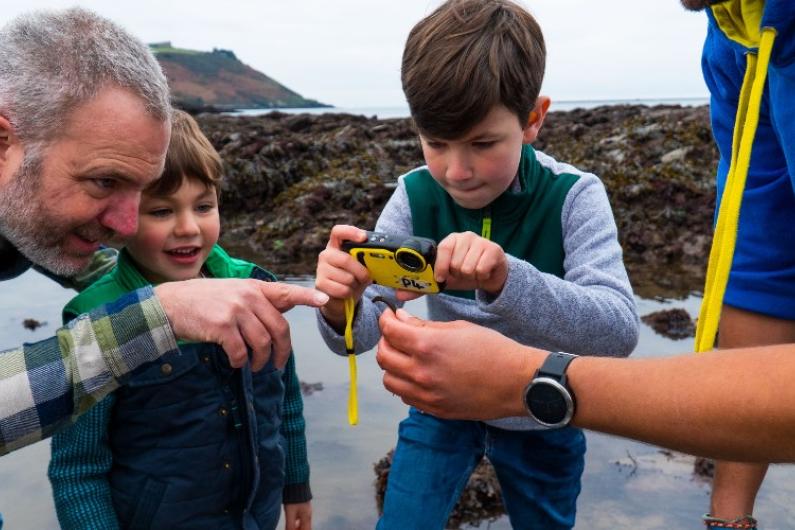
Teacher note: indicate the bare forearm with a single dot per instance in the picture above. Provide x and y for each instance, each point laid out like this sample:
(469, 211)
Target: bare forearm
(733, 404)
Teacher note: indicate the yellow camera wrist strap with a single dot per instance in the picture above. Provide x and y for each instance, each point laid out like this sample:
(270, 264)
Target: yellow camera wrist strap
(350, 313)
(353, 405)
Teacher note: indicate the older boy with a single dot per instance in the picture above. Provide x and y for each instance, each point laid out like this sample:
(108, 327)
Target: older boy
(527, 247)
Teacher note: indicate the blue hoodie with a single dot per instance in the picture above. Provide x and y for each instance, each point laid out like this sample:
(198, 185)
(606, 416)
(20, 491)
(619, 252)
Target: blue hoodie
(763, 270)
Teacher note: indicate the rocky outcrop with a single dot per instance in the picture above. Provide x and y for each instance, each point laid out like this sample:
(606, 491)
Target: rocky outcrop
(290, 178)
(658, 164)
(672, 323)
(480, 501)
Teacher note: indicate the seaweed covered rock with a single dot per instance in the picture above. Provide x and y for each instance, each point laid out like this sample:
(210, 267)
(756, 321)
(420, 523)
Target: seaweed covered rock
(658, 165)
(481, 500)
(290, 178)
(672, 323)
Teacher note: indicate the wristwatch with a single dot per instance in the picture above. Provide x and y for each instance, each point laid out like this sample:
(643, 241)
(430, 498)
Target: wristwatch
(548, 398)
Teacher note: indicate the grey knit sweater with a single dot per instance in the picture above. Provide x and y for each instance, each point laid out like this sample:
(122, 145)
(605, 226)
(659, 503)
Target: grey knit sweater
(590, 311)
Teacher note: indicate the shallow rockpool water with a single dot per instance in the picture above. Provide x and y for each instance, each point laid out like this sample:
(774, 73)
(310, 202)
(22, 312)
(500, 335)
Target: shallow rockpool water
(626, 485)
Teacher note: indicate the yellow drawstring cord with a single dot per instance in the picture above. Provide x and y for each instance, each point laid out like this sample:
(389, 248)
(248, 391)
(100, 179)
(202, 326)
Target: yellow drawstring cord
(725, 238)
(353, 403)
(485, 229)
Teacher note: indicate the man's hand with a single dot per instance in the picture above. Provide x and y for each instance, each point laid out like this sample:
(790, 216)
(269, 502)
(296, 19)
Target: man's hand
(236, 313)
(454, 369)
(298, 516)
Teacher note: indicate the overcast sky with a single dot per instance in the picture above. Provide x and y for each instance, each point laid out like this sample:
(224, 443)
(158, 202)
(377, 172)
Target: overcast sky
(347, 52)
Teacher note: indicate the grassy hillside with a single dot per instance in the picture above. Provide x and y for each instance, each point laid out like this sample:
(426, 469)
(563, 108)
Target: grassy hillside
(219, 79)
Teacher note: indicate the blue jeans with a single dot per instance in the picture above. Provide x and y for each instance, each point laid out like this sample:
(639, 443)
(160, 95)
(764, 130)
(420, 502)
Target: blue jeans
(539, 472)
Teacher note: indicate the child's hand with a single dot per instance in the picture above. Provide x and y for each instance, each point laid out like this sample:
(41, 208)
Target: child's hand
(339, 275)
(467, 261)
(298, 516)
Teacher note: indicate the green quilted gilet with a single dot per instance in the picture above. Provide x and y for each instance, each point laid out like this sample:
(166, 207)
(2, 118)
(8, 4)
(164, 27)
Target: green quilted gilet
(526, 224)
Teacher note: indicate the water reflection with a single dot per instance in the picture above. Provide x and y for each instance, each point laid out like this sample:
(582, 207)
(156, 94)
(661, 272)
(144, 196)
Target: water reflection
(652, 494)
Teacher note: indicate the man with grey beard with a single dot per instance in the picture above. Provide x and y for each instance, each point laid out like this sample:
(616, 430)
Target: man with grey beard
(84, 128)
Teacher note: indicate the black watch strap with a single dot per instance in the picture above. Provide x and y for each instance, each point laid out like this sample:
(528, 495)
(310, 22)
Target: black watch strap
(554, 366)
(548, 397)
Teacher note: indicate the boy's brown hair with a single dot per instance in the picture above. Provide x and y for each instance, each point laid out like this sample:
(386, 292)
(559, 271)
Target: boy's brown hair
(467, 57)
(190, 155)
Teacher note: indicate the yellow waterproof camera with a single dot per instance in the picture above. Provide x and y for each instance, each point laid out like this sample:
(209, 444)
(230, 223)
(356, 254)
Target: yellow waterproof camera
(398, 262)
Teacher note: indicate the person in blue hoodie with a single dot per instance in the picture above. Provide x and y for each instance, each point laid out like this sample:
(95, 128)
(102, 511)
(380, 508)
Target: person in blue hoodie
(191, 442)
(749, 67)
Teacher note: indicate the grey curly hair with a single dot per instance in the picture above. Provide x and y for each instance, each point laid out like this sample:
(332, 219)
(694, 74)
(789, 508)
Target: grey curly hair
(53, 61)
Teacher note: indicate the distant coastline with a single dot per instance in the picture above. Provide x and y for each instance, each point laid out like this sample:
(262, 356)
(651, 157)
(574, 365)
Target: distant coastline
(402, 111)
(195, 108)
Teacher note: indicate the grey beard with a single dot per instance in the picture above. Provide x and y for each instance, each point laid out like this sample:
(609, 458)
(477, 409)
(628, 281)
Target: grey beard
(24, 223)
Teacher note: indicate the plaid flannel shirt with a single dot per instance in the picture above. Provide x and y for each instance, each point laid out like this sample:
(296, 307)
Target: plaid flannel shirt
(47, 384)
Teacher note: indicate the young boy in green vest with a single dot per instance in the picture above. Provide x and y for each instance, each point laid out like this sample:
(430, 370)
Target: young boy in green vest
(190, 442)
(527, 246)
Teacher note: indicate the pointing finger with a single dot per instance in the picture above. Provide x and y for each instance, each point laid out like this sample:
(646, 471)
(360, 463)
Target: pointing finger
(284, 296)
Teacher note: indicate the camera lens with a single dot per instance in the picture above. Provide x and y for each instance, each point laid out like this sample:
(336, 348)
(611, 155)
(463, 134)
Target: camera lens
(409, 260)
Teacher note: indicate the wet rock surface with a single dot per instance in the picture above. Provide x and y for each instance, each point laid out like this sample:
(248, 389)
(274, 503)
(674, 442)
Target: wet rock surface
(704, 468)
(672, 323)
(658, 165)
(307, 389)
(290, 178)
(667, 462)
(32, 324)
(480, 502)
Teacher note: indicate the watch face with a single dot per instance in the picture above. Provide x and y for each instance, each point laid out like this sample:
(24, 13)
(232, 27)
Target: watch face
(549, 402)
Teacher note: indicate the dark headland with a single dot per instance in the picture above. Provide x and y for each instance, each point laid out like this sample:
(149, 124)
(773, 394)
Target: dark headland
(218, 81)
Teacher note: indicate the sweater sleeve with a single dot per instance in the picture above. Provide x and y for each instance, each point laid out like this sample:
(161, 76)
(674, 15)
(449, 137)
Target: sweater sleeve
(591, 309)
(394, 219)
(78, 471)
(296, 483)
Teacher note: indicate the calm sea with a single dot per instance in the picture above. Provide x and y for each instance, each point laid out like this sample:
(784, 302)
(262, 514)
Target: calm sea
(403, 111)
